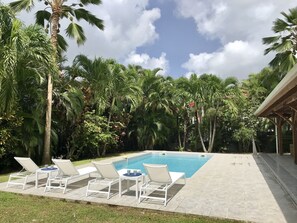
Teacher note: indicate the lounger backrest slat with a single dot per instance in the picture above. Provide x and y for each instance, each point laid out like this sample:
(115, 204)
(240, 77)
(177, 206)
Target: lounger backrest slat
(158, 173)
(66, 167)
(106, 170)
(27, 164)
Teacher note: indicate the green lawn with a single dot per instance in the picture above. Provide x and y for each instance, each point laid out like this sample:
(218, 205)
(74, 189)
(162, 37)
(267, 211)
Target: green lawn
(4, 178)
(22, 208)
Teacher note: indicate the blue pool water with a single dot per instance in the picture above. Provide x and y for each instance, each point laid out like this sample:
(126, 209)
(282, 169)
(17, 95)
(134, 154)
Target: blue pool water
(187, 163)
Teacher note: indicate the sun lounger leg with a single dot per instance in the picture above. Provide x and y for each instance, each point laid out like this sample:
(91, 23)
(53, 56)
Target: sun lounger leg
(165, 203)
(65, 186)
(25, 182)
(109, 188)
(120, 187)
(140, 193)
(88, 187)
(9, 179)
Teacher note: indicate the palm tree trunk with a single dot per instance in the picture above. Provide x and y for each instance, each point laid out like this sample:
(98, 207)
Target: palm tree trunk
(201, 140)
(210, 130)
(98, 151)
(110, 112)
(46, 159)
(211, 140)
(54, 27)
(178, 132)
(199, 132)
(185, 134)
(48, 117)
(108, 123)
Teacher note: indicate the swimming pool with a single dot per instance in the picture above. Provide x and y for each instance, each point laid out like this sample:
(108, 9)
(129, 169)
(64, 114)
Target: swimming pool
(177, 162)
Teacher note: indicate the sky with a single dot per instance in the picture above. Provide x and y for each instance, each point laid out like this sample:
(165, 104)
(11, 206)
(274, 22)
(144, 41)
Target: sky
(221, 37)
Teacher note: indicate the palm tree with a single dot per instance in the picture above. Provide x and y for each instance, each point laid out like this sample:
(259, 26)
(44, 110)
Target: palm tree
(55, 11)
(108, 86)
(285, 42)
(26, 56)
(210, 97)
(151, 118)
(182, 102)
(94, 80)
(193, 87)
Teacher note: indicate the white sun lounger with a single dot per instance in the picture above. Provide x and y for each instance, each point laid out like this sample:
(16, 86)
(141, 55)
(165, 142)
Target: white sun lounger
(29, 169)
(160, 179)
(109, 176)
(66, 173)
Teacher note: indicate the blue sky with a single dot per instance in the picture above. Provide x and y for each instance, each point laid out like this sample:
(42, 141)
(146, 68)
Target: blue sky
(177, 38)
(222, 37)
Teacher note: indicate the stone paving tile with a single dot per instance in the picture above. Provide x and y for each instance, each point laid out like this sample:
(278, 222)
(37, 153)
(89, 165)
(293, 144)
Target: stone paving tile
(228, 186)
(285, 172)
(236, 212)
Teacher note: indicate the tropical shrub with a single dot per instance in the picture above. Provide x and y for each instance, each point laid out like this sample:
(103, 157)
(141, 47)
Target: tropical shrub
(90, 137)
(9, 139)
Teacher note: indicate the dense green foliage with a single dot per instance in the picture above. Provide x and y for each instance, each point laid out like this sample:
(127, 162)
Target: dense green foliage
(25, 59)
(50, 18)
(101, 106)
(284, 43)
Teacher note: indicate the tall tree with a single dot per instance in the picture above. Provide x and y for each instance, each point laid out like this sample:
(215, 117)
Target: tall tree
(52, 14)
(285, 42)
(210, 97)
(150, 124)
(108, 86)
(183, 104)
(94, 81)
(26, 56)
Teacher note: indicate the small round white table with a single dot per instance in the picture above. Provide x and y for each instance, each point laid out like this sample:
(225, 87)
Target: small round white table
(130, 177)
(45, 170)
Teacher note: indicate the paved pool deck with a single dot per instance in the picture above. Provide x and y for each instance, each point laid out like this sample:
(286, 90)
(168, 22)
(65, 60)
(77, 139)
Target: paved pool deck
(234, 186)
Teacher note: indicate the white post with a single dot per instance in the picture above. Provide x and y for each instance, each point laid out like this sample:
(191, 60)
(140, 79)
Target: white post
(254, 147)
(276, 137)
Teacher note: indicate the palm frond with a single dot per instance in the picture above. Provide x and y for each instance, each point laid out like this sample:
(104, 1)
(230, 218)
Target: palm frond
(62, 43)
(271, 39)
(280, 25)
(76, 32)
(285, 45)
(287, 61)
(291, 16)
(22, 4)
(41, 16)
(88, 17)
(8, 93)
(6, 23)
(273, 47)
(66, 10)
(94, 2)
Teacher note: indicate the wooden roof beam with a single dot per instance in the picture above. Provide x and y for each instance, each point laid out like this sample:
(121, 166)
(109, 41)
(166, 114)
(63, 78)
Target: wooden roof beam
(284, 118)
(294, 109)
(291, 101)
(271, 119)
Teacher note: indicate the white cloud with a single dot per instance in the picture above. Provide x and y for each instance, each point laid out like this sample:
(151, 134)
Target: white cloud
(237, 58)
(239, 26)
(128, 25)
(147, 62)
